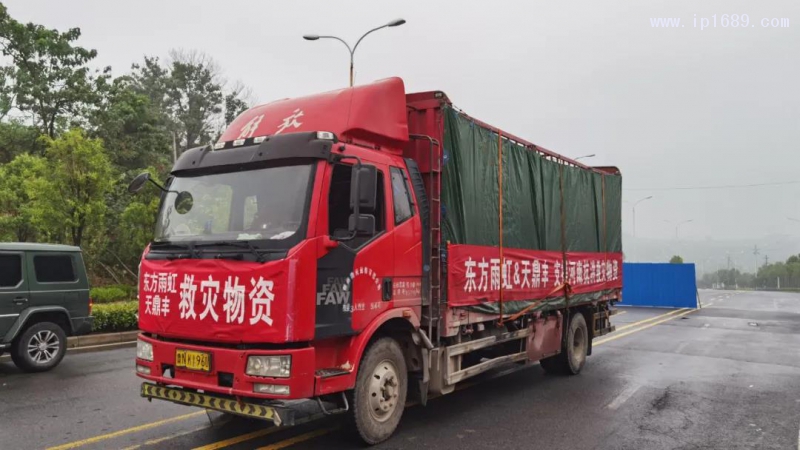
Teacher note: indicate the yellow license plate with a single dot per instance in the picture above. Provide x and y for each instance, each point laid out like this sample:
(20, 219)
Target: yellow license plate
(193, 360)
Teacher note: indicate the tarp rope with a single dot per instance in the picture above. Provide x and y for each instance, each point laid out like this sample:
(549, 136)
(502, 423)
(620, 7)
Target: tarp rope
(564, 286)
(500, 218)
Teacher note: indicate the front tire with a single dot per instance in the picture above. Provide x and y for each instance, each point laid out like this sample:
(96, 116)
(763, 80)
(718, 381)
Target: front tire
(572, 358)
(40, 348)
(380, 393)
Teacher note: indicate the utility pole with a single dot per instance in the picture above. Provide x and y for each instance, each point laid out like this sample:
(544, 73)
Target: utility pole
(755, 253)
(766, 260)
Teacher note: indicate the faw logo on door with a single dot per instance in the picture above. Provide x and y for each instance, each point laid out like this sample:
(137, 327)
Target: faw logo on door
(336, 290)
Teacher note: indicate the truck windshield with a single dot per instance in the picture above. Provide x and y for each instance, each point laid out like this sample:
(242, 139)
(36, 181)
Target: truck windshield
(260, 204)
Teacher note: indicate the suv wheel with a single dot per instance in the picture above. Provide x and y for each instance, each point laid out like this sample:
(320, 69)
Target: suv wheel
(40, 348)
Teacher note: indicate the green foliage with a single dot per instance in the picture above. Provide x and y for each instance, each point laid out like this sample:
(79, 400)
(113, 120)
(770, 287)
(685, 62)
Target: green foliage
(783, 275)
(18, 209)
(113, 317)
(192, 93)
(133, 130)
(72, 138)
(17, 139)
(108, 294)
(72, 198)
(676, 260)
(49, 77)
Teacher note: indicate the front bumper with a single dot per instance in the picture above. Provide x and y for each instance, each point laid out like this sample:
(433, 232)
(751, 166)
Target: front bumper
(278, 416)
(227, 375)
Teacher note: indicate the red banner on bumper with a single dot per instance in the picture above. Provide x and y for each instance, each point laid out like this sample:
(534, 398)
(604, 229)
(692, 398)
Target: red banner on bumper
(475, 273)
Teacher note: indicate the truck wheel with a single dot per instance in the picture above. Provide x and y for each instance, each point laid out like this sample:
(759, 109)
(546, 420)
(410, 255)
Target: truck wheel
(572, 358)
(380, 393)
(40, 348)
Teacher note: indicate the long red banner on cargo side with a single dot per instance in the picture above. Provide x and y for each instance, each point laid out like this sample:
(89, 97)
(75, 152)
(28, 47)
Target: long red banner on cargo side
(475, 273)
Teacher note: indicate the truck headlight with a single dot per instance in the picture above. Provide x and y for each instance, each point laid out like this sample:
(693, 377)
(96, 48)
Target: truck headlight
(144, 350)
(269, 366)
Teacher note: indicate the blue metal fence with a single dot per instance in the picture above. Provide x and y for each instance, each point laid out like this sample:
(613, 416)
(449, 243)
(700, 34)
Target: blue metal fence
(659, 285)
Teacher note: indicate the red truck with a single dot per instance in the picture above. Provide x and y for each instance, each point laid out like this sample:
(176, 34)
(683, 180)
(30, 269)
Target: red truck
(366, 247)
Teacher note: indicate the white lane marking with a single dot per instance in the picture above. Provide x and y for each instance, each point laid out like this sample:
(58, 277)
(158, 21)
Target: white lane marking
(623, 396)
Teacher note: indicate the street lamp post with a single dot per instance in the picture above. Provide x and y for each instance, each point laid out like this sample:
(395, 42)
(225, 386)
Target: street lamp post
(677, 226)
(314, 37)
(634, 212)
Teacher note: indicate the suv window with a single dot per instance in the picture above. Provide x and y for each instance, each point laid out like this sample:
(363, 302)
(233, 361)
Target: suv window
(402, 200)
(53, 268)
(10, 270)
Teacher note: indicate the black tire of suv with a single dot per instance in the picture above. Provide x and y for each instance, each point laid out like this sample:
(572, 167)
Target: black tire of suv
(22, 357)
(572, 358)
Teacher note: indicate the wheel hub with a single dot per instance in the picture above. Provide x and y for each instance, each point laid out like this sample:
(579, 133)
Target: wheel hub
(383, 391)
(43, 347)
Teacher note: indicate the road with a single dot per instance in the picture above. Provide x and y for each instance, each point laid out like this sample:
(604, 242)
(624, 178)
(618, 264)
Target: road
(726, 376)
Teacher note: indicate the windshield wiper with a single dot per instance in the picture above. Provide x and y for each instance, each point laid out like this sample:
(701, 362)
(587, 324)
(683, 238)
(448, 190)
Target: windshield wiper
(192, 252)
(240, 244)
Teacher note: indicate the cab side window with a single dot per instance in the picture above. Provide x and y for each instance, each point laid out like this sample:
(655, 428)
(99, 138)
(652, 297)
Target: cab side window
(54, 269)
(339, 205)
(402, 199)
(10, 270)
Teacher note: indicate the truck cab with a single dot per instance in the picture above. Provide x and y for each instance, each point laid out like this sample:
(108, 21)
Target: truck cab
(278, 255)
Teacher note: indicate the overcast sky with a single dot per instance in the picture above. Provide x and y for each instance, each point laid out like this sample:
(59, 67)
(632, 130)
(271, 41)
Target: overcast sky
(671, 107)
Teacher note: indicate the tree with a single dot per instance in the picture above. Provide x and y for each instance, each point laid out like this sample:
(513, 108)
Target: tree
(191, 91)
(676, 260)
(134, 132)
(49, 78)
(17, 139)
(72, 198)
(17, 207)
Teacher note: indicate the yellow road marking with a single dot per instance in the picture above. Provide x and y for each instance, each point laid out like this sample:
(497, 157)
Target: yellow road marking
(631, 325)
(240, 438)
(613, 337)
(297, 439)
(119, 433)
(166, 438)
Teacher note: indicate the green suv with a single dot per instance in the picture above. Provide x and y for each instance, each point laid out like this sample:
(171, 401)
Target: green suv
(44, 297)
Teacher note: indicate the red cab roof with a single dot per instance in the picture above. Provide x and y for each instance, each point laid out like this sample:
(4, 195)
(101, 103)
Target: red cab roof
(374, 112)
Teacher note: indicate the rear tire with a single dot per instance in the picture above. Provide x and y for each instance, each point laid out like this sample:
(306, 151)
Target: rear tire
(572, 358)
(380, 393)
(39, 348)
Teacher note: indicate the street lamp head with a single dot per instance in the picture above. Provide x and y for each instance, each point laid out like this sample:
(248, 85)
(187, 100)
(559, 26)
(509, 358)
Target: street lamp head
(310, 37)
(648, 198)
(396, 23)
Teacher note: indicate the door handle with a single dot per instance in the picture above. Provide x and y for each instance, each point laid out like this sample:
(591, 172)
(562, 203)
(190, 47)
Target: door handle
(20, 300)
(387, 289)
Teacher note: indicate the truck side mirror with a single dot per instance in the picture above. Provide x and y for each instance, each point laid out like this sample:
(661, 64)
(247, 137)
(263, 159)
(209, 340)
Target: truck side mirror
(364, 187)
(363, 226)
(138, 183)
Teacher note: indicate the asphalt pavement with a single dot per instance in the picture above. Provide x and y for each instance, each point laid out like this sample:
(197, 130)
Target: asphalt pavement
(726, 376)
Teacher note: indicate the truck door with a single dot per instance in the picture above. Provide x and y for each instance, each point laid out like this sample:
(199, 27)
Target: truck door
(407, 282)
(13, 289)
(353, 277)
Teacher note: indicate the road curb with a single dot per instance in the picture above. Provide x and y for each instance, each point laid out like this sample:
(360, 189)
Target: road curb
(95, 343)
(101, 339)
